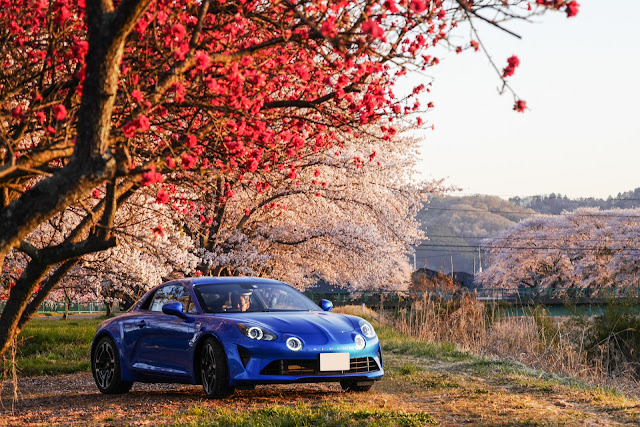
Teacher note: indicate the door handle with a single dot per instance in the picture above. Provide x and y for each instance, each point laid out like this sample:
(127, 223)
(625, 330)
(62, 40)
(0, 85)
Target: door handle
(141, 324)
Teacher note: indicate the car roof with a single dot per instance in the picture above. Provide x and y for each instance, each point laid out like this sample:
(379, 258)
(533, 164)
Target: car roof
(208, 280)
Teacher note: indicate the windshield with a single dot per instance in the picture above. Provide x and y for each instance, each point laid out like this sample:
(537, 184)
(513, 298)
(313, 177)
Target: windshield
(249, 297)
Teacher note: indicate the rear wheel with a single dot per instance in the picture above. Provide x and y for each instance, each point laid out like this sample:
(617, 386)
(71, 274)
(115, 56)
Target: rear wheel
(214, 373)
(358, 386)
(105, 367)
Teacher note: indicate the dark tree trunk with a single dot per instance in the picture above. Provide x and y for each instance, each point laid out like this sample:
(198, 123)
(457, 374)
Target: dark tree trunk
(91, 163)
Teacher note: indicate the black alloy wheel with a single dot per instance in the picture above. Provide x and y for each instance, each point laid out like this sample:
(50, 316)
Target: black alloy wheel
(214, 371)
(105, 367)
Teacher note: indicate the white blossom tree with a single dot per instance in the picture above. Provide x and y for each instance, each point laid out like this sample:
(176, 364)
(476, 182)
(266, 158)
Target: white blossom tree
(585, 248)
(151, 246)
(347, 216)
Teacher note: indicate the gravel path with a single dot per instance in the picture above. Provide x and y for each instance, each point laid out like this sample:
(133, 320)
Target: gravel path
(75, 400)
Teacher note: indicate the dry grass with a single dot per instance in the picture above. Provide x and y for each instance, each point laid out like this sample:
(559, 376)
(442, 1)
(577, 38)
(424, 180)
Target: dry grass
(555, 345)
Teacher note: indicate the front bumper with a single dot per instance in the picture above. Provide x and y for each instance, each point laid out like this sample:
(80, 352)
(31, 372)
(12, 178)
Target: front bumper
(270, 363)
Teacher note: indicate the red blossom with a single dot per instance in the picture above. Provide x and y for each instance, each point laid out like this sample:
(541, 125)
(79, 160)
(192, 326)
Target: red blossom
(162, 197)
(178, 31)
(171, 162)
(418, 6)
(142, 124)
(59, 112)
(137, 95)
(372, 28)
(41, 117)
(203, 60)
(572, 9)
(96, 193)
(188, 161)
(158, 232)
(16, 113)
(520, 106)
(328, 28)
(512, 64)
(391, 6)
(316, 173)
(192, 141)
(151, 177)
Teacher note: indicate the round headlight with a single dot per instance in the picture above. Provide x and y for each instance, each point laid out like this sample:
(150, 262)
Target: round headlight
(367, 330)
(360, 343)
(294, 344)
(255, 333)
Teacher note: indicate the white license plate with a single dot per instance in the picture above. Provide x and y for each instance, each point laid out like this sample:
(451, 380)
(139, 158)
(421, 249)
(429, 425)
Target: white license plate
(335, 362)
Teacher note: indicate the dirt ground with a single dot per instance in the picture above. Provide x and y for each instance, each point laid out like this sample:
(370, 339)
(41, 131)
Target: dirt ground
(452, 394)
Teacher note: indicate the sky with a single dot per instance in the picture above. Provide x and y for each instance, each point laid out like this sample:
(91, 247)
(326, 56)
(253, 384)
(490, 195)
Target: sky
(580, 78)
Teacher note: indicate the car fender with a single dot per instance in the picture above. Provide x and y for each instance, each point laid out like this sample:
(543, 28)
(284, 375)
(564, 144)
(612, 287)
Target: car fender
(207, 330)
(116, 338)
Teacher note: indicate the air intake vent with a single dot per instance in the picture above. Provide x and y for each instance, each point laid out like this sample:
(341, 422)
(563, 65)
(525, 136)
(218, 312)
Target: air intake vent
(312, 367)
(245, 356)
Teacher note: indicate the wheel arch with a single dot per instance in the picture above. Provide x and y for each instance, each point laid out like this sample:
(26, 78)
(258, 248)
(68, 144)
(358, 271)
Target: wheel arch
(198, 349)
(124, 372)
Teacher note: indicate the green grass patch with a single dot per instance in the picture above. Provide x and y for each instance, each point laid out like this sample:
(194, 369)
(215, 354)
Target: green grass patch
(301, 415)
(55, 346)
(408, 369)
(535, 379)
(396, 342)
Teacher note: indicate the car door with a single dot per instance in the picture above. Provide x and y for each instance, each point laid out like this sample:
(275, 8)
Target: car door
(164, 343)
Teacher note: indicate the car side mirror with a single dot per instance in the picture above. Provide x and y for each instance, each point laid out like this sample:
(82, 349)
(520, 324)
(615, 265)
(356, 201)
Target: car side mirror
(175, 309)
(326, 305)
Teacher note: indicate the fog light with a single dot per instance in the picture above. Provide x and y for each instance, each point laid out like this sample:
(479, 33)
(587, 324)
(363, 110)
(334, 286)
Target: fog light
(360, 343)
(294, 344)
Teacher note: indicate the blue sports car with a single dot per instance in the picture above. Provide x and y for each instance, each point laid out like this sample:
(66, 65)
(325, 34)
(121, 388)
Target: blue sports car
(228, 332)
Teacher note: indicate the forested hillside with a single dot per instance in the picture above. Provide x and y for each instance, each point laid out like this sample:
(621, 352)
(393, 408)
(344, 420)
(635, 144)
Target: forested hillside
(456, 225)
(557, 203)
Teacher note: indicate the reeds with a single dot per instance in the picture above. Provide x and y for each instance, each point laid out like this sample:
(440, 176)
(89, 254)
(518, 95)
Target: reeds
(564, 345)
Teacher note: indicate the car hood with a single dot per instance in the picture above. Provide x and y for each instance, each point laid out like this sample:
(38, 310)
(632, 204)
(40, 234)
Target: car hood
(305, 322)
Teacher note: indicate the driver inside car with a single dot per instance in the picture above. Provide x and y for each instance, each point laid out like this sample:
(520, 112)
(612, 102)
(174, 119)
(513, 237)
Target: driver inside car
(240, 302)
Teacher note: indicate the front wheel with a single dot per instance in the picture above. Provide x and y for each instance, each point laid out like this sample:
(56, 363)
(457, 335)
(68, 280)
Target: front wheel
(358, 386)
(213, 371)
(105, 367)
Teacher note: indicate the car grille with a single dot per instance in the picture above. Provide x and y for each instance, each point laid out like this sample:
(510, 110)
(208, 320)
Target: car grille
(312, 367)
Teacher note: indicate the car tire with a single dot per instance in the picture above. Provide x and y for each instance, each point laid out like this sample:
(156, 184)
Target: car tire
(105, 367)
(214, 372)
(353, 386)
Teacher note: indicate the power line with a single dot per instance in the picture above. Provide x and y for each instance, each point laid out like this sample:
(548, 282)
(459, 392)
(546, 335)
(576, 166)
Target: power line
(594, 249)
(527, 238)
(531, 213)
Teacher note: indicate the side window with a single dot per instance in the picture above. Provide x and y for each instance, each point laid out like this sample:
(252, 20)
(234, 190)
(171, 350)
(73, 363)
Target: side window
(147, 302)
(172, 293)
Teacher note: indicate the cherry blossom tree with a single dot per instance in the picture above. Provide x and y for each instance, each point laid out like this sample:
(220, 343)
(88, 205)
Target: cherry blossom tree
(99, 97)
(348, 218)
(585, 248)
(152, 246)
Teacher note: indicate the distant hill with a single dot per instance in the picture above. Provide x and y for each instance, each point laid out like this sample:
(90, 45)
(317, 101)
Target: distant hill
(557, 203)
(456, 225)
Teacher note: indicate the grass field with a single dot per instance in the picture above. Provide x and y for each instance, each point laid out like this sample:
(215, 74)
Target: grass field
(425, 383)
(52, 346)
